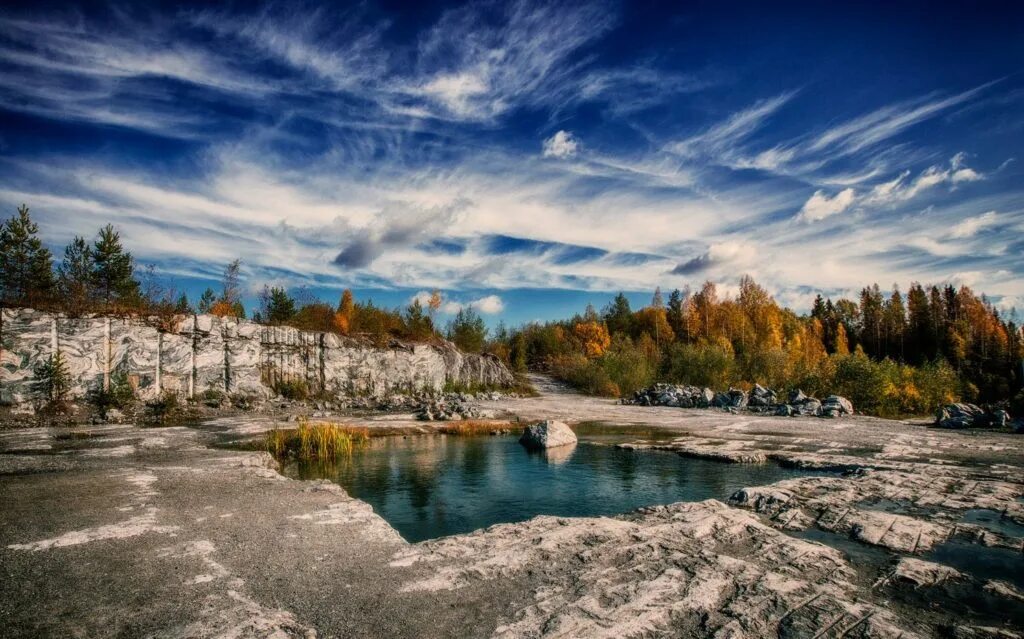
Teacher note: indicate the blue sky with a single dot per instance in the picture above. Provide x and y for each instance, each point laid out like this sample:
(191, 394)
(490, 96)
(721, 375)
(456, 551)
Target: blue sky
(527, 158)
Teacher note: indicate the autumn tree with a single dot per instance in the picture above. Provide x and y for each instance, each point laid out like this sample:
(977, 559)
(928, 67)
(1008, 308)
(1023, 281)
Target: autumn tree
(344, 314)
(594, 337)
(26, 276)
(229, 304)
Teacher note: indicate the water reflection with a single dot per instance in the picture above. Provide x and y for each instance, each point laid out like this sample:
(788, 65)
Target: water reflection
(433, 486)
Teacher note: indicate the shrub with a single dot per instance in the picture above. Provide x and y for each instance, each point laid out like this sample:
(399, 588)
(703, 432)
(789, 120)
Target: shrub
(316, 441)
(163, 408)
(703, 364)
(52, 380)
(293, 389)
(212, 397)
(119, 395)
(630, 366)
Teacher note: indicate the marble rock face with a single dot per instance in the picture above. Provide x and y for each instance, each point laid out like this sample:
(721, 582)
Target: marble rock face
(205, 352)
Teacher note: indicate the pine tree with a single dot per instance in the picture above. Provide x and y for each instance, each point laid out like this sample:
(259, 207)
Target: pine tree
(74, 277)
(277, 306)
(52, 379)
(206, 301)
(618, 316)
(675, 313)
(182, 306)
(113, 273)
(26, 266)
(468, 330)
(418, 324)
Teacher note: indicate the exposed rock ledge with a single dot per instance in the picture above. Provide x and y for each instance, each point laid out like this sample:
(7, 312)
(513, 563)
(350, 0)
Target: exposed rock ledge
(205, 352)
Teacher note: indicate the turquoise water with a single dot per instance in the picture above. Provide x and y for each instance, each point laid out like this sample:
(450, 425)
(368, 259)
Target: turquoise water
(433, 486)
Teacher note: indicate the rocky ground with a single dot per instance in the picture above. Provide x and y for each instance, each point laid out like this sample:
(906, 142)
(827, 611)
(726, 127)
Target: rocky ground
(127, 531)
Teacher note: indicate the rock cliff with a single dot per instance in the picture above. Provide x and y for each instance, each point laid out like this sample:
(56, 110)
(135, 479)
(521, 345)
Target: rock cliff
(235, 356)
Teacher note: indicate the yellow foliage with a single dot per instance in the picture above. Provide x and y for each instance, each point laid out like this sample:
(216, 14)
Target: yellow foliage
(593, 336)
(654, 322)
(223, 309)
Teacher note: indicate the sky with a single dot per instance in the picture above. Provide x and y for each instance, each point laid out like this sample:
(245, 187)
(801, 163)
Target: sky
(526, 158)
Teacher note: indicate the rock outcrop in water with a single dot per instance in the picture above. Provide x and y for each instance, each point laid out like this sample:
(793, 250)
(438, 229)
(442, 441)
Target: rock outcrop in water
(205, 352)
(548, 434)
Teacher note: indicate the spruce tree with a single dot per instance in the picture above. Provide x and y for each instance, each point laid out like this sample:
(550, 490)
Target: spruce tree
(75, 276)
(114, 270)
(206, 301)
(26, 266)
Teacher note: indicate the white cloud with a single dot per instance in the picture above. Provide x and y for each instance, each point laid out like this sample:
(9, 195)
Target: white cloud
(970, 226)
(488, 305)
(561, 145)
(821, 206)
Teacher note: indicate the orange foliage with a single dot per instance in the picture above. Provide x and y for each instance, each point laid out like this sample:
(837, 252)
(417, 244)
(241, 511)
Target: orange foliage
(223, 309)
(593, 336)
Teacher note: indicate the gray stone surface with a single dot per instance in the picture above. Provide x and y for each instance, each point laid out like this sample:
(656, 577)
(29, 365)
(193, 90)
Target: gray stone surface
(122, 531)
(206, 352)
(547, 434)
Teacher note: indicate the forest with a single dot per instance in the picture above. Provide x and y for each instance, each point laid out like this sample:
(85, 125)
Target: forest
(891, 353)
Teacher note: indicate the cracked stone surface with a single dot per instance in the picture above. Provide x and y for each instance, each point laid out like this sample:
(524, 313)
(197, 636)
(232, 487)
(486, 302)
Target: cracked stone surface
(125, 531)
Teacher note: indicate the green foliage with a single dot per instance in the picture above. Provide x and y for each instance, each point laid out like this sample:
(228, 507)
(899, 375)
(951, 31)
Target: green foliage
(51, 379)
(702, 364)
(26, 276)
(293, 389)
(120, 394)
(113, 273)
(418, 324)
(316, 441)
(277, 306)
(75, 277)
(206, 301)
(164, 408)
(467, 330)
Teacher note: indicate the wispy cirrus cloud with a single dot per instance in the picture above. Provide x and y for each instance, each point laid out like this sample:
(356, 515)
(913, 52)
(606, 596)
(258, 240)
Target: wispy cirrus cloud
(355, 148)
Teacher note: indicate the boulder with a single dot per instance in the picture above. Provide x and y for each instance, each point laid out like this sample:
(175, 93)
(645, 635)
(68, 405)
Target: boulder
(960, 416)
(836, 406)
(547, 434)
(999, 419)
(761, 397)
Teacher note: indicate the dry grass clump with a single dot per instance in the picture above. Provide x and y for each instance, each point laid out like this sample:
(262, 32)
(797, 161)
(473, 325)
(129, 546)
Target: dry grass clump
(475, 428)
(322, 441)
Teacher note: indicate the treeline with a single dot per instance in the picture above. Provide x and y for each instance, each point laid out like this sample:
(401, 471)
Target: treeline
(889, 356)
(100, 276)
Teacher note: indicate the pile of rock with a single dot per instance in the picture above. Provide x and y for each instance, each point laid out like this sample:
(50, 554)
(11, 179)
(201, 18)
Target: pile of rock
(672, 395)
(970, 416)
(758, 400)
(449, 407)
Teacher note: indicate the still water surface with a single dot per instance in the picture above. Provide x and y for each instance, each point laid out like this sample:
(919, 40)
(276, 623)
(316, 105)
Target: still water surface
(433, 486)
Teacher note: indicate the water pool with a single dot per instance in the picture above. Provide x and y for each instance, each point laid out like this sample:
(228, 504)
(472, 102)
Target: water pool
(433, 486)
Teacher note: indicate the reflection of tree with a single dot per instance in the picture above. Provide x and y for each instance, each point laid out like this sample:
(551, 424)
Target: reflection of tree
(475, 460)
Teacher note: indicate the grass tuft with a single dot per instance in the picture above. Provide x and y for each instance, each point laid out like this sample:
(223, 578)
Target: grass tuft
(467, 428)
(321, 441)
